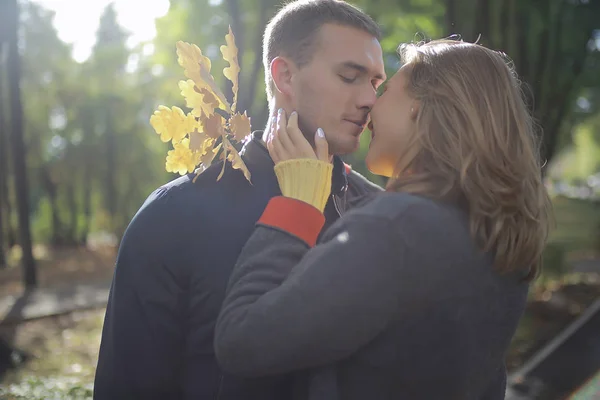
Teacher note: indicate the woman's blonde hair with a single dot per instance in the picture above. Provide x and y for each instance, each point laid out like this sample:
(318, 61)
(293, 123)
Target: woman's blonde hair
(475, 145)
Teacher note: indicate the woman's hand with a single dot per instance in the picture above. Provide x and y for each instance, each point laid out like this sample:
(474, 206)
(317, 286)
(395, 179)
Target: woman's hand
(287, 142)
(303, 173)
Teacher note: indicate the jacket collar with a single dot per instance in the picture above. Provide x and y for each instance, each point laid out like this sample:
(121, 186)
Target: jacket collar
(257, 154)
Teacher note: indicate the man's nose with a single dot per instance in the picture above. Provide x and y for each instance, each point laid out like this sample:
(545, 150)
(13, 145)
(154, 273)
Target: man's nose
(367, 97)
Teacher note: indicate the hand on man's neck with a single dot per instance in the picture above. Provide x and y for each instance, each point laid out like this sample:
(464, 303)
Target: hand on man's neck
(267, 132)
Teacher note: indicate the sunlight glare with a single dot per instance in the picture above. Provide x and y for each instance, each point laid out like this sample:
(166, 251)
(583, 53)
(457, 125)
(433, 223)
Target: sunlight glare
(77, 21)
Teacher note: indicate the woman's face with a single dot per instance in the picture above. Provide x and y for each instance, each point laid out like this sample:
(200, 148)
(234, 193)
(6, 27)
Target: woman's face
(392, 125)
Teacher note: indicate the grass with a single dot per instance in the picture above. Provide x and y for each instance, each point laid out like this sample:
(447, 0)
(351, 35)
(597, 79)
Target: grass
(64, 353)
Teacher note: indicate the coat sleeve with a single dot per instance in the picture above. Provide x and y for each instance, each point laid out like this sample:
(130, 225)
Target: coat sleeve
(290, 306)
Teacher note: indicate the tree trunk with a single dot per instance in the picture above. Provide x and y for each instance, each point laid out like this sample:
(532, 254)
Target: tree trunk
(3, 169)
(18, 147)
(249, 94)
(450, 17)
(51, 191)
(73, 212)
(482, 21)
(10, 231)
(88, 149)
(532, 34)
(111, 156)
(87, 203)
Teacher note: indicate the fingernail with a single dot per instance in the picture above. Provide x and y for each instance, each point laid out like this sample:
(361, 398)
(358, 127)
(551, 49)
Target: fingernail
(293, 113)
(320, 133)
(280, 111)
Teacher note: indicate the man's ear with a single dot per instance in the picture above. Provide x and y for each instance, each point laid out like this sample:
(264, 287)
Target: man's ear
(282, 71)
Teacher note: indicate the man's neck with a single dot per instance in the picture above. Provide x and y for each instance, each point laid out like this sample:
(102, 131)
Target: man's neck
(267, 133)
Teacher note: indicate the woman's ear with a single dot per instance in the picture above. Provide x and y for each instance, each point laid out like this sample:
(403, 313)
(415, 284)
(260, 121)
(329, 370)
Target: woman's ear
(281, 73)
(414, 110)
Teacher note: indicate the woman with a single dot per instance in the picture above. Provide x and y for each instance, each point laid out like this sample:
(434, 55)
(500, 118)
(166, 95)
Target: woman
(417, 293)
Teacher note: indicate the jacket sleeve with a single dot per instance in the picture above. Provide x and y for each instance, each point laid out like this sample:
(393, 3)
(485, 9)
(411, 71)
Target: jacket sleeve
(141, 339)
(289, 306)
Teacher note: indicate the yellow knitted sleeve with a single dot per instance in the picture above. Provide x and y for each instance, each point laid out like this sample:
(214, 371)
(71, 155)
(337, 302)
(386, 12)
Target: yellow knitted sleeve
(305, 179)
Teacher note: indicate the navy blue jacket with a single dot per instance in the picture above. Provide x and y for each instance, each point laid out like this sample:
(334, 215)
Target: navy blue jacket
(171, 274)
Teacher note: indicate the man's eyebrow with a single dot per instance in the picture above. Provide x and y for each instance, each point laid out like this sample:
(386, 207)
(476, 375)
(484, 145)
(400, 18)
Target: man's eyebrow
(360, 68)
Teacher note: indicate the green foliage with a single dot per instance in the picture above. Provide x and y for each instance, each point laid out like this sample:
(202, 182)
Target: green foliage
(586, 152)
(577, 223)
(554, 261)
(93, 158)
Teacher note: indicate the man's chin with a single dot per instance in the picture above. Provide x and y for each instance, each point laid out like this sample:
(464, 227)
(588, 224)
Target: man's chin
(349, 145)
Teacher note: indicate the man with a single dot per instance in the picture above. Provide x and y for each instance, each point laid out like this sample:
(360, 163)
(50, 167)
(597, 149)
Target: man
(322, 58)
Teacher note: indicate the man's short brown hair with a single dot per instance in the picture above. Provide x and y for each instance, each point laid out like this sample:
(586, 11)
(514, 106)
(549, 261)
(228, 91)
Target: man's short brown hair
(293, 31)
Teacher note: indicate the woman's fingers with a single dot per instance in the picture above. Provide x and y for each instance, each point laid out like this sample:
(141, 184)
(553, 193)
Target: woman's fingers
(321, 146)
(302, 148)
(281, 134)
(271, 144)
(286, 141)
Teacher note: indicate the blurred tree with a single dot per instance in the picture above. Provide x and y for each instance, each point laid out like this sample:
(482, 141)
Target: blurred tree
(47, 68)
(3, 163)
(552, 44)
(108, 63)
(11, 19)
(9, 235)
(92, 157)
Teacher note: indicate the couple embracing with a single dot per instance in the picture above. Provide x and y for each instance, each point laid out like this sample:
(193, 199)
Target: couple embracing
(320, 284)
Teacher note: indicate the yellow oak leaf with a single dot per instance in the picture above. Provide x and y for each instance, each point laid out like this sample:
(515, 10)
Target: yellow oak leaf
(239, 125)
(181, 159)
(198, 141)
(236, 160)
(223, 155)
(209, 99)
(206, 160)
(197, 68)
(213, 126)
(209, 156)
(232, 72)
(172, 123)
(200, 101)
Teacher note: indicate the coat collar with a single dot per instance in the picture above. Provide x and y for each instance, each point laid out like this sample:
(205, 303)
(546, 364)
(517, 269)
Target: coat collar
(256, 152)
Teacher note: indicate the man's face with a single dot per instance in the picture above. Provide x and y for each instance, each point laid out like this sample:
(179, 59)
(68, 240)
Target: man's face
(337, 89)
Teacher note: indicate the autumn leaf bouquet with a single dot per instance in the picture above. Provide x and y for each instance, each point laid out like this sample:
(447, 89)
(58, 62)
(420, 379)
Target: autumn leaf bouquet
(212, 123)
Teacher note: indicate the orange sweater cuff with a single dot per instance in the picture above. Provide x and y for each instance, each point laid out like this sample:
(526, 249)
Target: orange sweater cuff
(295, 217)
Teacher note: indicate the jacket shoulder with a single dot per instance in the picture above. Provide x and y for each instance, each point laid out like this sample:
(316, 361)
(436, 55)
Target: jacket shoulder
(360, 184)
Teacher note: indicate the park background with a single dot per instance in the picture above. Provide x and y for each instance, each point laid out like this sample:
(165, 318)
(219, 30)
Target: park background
(79, 81)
